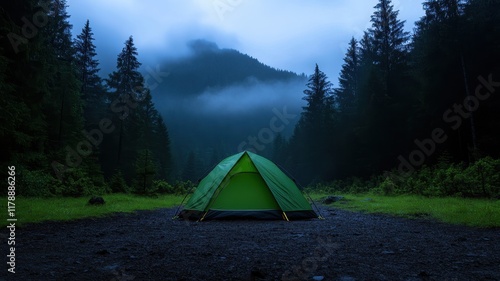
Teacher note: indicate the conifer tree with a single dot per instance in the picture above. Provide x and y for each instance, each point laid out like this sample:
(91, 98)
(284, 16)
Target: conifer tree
(312, 138)
(163, 149)
(127, 86)
(92, 90)
(347, 92)
(390, 44)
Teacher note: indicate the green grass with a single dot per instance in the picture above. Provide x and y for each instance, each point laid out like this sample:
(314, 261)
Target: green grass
(470, 212)
(31, 210)
(463, 211)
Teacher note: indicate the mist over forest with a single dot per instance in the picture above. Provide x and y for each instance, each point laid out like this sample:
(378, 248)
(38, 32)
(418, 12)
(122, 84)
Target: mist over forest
(214, 99)
(403, 101)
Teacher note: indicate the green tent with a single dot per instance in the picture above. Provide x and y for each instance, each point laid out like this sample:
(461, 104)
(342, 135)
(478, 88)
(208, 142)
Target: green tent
(247, 185)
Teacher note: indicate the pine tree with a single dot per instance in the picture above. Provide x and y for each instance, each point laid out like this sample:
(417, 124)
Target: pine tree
(318, 96)
(390, 44)
(382, 94)
(23, 79)
(347, 93)
(312, 138)
(91, 84)
(145, 171)
(438, 54)
(60, 30)
(162, 149)
(279, 149)
(127, 80)
(128, 88)
(189, 172)
(61, 103)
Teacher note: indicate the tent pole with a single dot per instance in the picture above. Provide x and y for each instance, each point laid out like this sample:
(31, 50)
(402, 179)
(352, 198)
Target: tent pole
(202, 218)
(319, 212)
(191, 191)
(177, 211)
(285, 216)
(302, 189)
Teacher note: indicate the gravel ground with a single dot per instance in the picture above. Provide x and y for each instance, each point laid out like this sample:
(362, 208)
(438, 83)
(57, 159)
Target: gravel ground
(346, 246)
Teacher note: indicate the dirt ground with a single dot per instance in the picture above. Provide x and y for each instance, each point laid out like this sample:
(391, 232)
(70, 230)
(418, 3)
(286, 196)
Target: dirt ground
(346, 246)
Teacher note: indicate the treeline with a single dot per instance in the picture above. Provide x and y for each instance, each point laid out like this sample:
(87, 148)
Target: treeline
(479, 179)
(68, 131)
(404, 100)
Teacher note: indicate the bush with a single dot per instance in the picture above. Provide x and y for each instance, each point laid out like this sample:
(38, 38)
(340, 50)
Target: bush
(117, 184)
(387, 187)
(357, 185)
(163, 187)
(78, 183)
(37, 184)
(183, 187)
(480, 179)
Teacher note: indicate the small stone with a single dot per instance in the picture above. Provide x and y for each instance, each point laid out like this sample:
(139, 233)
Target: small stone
(96, 200)
(332, 198)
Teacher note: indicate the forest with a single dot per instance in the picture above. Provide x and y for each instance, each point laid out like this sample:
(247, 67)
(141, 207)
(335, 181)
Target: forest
(412, 112)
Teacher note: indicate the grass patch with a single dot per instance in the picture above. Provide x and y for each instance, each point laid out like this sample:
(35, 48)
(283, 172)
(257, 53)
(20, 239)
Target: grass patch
(31, 210)
(463, 211)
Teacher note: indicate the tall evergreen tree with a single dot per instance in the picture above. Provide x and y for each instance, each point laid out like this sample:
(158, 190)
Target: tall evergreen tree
(23, 79)
(62, 103)
(189, 171)
(92, 90)
(390, 43)
(439, 69)
(382, 93)
(145, 171)
(312, 139)
(127, 84)
(163, 149)
(347, 92)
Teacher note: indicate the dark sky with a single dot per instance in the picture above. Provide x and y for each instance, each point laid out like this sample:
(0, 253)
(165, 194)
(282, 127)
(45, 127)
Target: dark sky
(291, 34)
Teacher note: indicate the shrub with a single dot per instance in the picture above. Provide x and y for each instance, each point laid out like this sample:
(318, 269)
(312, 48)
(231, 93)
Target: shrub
(163, 187)
(482, 178)
(183, 187)
(37, 184)
(78, 183)
(117, 183)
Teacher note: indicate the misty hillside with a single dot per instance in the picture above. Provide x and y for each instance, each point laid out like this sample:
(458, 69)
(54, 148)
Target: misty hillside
(210, 67)
(218, 87)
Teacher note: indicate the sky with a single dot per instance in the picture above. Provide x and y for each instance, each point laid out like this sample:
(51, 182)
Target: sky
(286, 34)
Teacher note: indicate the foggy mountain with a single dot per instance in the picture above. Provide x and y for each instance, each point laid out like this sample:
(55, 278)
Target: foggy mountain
(215, 99)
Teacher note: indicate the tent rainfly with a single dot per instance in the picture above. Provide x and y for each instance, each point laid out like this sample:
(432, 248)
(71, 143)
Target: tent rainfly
(247, 185)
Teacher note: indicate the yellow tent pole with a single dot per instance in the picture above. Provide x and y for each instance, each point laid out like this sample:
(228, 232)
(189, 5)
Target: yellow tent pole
(284, 215)
(202, 218)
